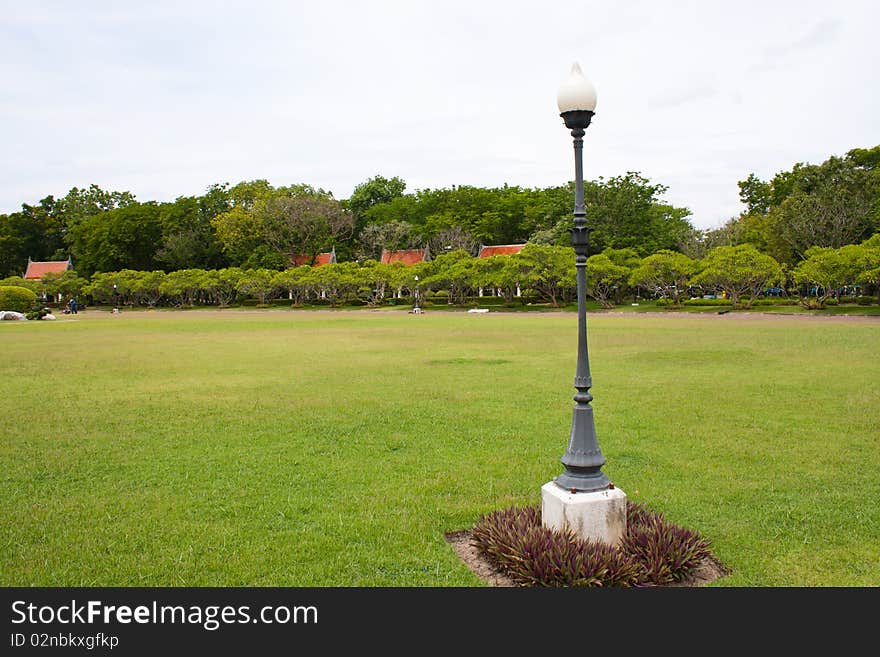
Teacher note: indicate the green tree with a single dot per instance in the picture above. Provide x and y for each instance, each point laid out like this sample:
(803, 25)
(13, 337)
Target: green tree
(303, 223)
(755, 194)
(375, 191)
(394, 236)
(376, 280)
(297, 281)
(101, 287)
(188, 237)
(41, 231)
(267, 227)
(452, 239)
(626, 212)
(245, 194)
(340, 281)
(67, 283)
(548, 270)
(498, 272)
(124, 238)
(146, 287)
(257, 283)
(831, 204)
(183, 285)
(869, 267)
(81, 203)
(604, 277)
(832, 211)
(665, 273)
(221, 285)
(452, 272)
(742, 272)
(403, 277)
(239, 232)
(825, 271)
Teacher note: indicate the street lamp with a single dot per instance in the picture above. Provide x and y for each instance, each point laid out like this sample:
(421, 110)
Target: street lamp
(115, 299)
(583, 460)
(416, 308)
(582, 499)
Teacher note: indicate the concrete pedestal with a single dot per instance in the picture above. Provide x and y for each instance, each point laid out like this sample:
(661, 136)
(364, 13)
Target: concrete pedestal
(595, 516)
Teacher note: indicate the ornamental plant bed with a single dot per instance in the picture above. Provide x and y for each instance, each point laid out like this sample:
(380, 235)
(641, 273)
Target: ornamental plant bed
(512, 548)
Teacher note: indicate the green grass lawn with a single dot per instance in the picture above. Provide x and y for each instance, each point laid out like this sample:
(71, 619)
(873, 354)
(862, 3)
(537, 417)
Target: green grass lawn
(284, 448)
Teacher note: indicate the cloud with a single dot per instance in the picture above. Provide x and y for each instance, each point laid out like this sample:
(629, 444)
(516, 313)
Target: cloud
(692, 90)
(824, 32)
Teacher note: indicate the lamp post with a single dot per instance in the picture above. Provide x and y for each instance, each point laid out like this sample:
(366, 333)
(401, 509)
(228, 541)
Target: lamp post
(115, 299)
(416, 308)
(582, 499)
(583, 460)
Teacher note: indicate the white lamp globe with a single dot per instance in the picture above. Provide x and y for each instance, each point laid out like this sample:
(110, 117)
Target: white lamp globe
(576, 93)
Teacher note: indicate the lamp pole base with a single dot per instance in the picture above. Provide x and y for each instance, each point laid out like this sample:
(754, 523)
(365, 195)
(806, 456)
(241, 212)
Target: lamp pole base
(598, 516)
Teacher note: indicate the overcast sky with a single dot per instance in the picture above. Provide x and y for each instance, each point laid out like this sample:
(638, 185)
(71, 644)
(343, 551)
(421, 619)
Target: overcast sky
(163, 99)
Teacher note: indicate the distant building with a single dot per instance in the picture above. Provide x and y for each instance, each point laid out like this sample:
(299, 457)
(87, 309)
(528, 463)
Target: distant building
(36, 270)
(315, 261)
(407, 257)
(499, 249)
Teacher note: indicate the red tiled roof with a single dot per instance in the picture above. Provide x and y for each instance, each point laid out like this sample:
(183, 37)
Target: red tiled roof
(36, 270)
(320, 259)
(500, 249)
(408, 257)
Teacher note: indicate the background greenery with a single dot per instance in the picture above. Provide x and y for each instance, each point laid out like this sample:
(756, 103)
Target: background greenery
(254, 225)
(812, 232)
(279, 448)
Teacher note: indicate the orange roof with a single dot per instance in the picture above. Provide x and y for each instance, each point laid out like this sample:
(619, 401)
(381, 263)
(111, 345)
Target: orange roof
(320, 259)
(407, 257)
(36, 270)
(500, 249)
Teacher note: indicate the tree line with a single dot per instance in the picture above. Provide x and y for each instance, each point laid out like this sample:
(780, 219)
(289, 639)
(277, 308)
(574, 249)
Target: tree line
(253, 225)
(538, 273)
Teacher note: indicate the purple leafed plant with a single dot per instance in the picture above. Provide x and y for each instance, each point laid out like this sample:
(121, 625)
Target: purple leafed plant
(665, 552)
(653, 552)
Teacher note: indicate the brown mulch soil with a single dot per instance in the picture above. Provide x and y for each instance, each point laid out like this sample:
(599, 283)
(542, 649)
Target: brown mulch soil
(460, 541)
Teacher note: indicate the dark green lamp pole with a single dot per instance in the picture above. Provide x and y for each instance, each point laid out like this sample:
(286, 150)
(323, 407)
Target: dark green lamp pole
(416, 308)
(583, 460)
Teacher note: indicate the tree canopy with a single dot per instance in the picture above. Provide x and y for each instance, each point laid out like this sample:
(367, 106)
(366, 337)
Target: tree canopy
(253, 225)
(830, 204)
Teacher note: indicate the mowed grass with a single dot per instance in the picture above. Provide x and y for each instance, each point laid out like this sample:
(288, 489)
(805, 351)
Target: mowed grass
(285, 448)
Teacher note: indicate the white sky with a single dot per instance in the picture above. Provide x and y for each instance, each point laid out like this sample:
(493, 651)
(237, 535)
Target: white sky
(165, 98)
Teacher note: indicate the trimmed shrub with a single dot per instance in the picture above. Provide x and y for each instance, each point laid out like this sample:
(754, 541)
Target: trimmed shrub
(775, 301)
(487, 301)
(37, 314)
(19, 299)
(707, 302)
(860, 301)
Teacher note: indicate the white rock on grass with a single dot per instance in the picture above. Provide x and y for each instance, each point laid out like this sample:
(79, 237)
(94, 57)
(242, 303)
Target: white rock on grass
(11, 314)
